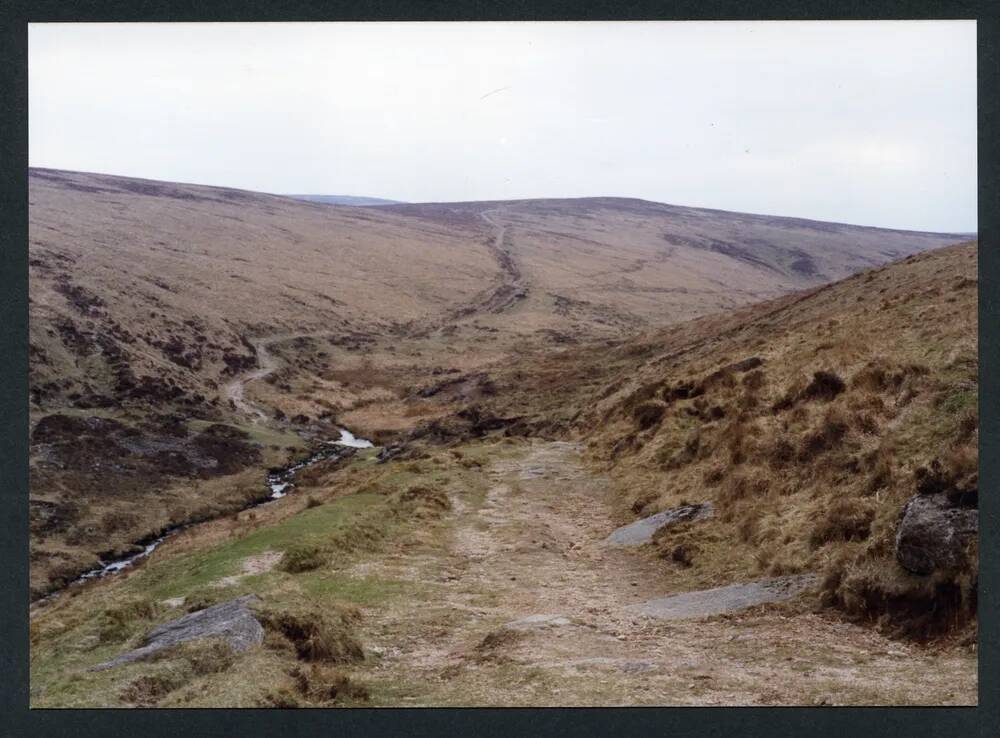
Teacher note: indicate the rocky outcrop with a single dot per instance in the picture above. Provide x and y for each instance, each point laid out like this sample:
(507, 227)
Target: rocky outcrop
(232, 621)
(934, 534)
(641, 531)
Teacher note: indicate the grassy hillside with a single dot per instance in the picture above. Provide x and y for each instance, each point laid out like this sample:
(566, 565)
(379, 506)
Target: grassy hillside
(151, 303)
(807, 421)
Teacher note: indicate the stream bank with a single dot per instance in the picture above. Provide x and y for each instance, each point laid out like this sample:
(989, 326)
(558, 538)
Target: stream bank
(279, 482)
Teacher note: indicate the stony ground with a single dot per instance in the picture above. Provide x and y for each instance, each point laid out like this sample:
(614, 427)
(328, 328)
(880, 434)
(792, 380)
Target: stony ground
(524, 604)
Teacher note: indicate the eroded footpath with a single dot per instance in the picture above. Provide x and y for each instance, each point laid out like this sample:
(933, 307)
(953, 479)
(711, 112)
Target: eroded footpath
(522, 602)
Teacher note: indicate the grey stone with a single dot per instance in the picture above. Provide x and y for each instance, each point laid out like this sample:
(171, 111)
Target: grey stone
(726, 599)
(232, 621)
(641, 531)
(537, 622)
(933, 534)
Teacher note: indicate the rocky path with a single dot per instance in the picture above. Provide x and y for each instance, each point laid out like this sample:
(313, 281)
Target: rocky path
(525, 604)
(234, 390)
(268, 363)
(508, 289)
(511, 288)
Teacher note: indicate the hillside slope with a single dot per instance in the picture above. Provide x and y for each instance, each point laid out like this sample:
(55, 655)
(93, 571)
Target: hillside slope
(470, 563)
(808, 422)
(176, 278)
(199, 335)
(632, 262)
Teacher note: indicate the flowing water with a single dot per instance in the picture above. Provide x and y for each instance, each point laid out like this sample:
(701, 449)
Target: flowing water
(279, 481)
(348, 439)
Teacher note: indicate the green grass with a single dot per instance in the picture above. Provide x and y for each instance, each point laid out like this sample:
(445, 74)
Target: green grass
(363, 592)
(177, 576)
(959, 401)
(59, 662)
(69, 642)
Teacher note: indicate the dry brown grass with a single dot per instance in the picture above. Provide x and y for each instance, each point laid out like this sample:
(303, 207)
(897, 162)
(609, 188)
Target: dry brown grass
(808, 469)
(118, 623)
(648, 414)
(844, 520)
(494, 646)
(323, 636)
(422, 501)
(315, 686)
(176, 667)
(146, 301)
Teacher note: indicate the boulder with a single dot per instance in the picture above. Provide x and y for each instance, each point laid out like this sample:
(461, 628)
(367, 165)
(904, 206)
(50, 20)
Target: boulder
(232, 621)
(934, 534)
(641, 531)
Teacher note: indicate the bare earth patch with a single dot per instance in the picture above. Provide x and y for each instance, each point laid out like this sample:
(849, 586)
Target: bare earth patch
(258, 564)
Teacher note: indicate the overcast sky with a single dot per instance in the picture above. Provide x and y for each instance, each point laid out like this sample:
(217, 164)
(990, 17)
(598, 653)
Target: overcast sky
(860, 122)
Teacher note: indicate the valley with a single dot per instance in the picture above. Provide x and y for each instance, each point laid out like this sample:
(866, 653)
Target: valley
(532, 375)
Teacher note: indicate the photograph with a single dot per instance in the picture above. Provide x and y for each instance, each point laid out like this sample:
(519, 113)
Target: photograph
(390, 364)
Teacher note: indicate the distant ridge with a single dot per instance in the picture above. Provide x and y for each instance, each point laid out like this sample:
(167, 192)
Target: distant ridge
(360, 202)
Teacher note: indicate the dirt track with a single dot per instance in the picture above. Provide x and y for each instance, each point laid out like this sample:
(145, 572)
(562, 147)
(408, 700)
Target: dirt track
(234, 390)
(525, 605)
(509, 287)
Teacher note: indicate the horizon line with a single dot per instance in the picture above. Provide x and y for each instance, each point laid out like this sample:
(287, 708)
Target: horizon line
(392, 201)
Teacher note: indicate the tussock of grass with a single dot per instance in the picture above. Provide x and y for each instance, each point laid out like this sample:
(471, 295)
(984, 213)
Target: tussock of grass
(302, 557)
(904, 604)
(648, 414)
(148, 689)
(175, 667)
(326, 635)
(203, 598)
(316, 686)
(118, 623)
(421, 501)
(493, 646)
(844, 520)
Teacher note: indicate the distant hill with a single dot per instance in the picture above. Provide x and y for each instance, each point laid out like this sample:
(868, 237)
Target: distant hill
(357, 202)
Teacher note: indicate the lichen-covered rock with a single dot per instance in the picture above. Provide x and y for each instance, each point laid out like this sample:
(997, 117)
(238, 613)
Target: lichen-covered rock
(231, 621)
(934, 534)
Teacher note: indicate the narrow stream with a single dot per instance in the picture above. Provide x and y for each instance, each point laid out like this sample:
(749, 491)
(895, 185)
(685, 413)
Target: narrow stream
(279, 481)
